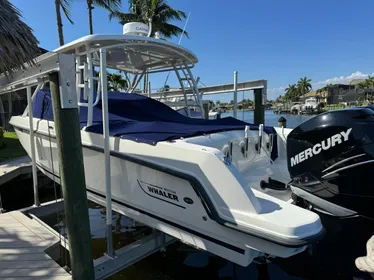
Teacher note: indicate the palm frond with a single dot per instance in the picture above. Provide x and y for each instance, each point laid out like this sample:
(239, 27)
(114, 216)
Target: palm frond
(124, 17)
(158, 11)
(116, 82)
(165, 12)
(65, 5)
(169, 30)
(18, 45)
(110, 5)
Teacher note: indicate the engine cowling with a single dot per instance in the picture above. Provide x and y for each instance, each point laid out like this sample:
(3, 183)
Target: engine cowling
(331, 159)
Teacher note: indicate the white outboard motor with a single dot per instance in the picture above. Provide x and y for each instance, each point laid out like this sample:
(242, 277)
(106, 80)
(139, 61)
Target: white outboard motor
(135, 28)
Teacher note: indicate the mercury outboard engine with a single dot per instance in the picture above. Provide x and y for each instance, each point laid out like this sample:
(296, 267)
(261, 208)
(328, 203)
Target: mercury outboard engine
(331, 162)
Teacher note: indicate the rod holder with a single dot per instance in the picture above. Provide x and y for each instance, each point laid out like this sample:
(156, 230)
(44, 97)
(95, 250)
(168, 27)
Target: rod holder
(259, 144)
(246, 139)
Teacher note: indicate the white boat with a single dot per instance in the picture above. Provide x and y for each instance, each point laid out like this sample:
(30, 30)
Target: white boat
(311, 104)
(200, 181)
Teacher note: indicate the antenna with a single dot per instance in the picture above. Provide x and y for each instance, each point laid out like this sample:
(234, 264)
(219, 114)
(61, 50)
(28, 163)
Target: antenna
(184, 28)
(180, 40)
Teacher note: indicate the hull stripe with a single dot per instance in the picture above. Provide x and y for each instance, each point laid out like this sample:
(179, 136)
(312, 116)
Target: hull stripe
(213, 240)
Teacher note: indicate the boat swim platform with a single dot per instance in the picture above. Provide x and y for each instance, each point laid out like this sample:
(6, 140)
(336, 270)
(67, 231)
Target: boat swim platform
(25, 240)
(13, 168)
(23, 246)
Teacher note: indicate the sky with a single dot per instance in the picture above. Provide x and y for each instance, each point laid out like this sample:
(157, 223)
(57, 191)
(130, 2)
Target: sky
(279, 41)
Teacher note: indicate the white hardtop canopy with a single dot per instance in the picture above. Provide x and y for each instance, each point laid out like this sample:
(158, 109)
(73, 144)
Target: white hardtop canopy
(128, 53)
(132, 54)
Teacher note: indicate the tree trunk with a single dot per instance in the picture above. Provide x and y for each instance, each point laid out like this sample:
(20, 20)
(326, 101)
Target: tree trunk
(2, 114)
(59, 21)
(89, 7)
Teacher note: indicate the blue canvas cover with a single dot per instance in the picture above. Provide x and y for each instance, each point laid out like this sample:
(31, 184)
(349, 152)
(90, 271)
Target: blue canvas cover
(193, 114)
(142, 119)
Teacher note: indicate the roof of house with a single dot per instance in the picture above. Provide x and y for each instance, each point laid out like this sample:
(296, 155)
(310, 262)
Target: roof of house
(311, 93)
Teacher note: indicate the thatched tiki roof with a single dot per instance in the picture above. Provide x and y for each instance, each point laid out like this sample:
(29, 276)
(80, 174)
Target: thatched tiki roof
(18, 45)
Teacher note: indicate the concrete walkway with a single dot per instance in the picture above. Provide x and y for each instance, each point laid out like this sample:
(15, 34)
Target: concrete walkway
(10, 169)
(23, 242)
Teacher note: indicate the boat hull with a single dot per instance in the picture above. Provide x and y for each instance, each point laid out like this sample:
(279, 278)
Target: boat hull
(148, 191)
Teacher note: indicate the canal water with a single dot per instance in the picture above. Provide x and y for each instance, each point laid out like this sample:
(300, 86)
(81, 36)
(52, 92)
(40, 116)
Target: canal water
(332, 258)
(271, 119)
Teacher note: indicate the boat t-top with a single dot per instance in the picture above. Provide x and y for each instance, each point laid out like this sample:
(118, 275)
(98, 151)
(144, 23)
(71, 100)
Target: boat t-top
(217, 185)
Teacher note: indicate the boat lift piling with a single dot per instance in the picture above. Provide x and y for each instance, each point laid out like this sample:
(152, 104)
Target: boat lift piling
(260, 100)
(235, 94)
(72, 177)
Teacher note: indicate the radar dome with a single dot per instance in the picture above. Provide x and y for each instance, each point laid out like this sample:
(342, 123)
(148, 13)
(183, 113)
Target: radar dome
(135, 28)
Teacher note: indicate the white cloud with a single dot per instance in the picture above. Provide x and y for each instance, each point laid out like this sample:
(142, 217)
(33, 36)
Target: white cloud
(273, 93)
(342, 79)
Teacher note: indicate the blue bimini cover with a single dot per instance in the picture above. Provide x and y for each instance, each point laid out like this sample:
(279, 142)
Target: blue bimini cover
(142, 119)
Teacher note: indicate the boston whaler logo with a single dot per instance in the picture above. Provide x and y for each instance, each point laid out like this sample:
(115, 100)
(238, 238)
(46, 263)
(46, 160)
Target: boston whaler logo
(324, 145)
(161, 193)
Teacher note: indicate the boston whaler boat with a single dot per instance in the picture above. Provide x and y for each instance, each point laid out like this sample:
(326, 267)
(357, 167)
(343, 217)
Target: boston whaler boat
(217, 185)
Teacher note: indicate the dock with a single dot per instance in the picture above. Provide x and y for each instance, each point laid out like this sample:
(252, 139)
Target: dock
(23, 245)
(13, 168)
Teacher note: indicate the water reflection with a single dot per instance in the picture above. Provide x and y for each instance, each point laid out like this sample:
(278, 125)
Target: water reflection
(271, 119)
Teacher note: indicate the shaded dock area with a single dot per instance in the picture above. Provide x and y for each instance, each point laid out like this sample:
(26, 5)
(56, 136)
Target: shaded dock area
(23, 245)
(13, 168)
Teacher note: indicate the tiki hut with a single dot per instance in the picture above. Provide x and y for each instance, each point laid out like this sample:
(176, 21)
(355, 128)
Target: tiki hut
(18, 45)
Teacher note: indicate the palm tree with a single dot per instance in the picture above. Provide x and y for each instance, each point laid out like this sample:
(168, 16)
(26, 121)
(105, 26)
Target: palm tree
(110, 5)
(325, 88)
(65, 6)
(292, 92)
(304, 85)
(116, 82)
(18, 45)
(155, 13)
(365, 86)
(370, 83)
